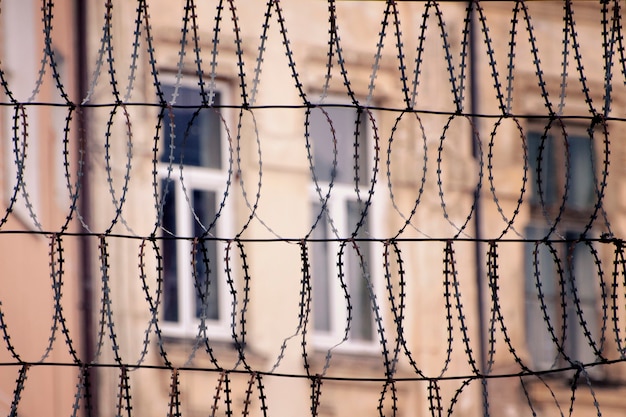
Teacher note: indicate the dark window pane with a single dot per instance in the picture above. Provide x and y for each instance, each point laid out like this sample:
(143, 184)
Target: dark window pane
(197, 140)
(204, 204)
(582, 276)
(546, 166)
(577, 263)
(581, 194)
(343, 121)
(359, 274)
(542, 348)
(168, 247)
(319, 269)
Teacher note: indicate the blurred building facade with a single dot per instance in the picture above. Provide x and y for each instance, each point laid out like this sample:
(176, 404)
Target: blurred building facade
(303, 200)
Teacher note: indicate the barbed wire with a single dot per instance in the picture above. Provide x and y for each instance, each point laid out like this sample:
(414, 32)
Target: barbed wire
(405, 153)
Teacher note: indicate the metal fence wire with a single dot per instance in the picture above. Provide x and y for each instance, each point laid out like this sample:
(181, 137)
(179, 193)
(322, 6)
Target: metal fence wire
(330, 208)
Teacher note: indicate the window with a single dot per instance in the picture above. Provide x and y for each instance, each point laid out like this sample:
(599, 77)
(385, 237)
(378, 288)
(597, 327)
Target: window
(342, 217)
(193, 148)
(572, 295)
(550, 174)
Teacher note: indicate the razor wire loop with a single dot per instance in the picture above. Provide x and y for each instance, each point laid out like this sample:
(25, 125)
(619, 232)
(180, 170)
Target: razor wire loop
(323, 199)
(450, 253)
(73, 195)
(490, 175)
(608, 46)
(339, 53)
(618, 28)
(528, 396)
(545, 137)
(233, 295)
(619, 268)
(107, 48)
(434, 398)
(239, 340)
(174, 396)
(123, 395)
(20, 155)
(9, 94)
(191, 13)
(597, 348)
(536, 60)
(457, 394)
(203, 292)
(305, 303)
(118, 203)
(316, 392)
(374, 174)
(490, 52)
(20, 119)
(49, 54)
(288, 52)
(397, 312)
(7, 338)
(569, 22)
(541, 297)
(493, 276)
(457, 93)
(440, 150)
(57, 272)
(570, 27)
(253, 207)
(19, 388)
(218, 390)
(408, 220)
(448, 270)
(303, 312)
(398, 309)
(248, 394)
(391, 9)
(418, 55)
(153, 302)
(510, 66)
(342, 279)
(82, 386)
(600, 184)
(581, 372)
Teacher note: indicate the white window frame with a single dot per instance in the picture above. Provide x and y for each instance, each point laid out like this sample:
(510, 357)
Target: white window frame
(336, 207)
(203, 179)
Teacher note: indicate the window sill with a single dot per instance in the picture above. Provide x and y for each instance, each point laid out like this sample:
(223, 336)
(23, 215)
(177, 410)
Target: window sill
(348, 362)
(608, 394)
(190, 353)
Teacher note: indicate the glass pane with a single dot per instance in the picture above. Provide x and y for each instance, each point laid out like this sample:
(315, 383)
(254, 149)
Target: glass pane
(320, 258)
(548, 179)
(539, 341)
(197, 140)
(581, 194)
(583, 277)
(168, 248)
(204, 204)
(546, 265)
(359, 273)
(344, 125)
